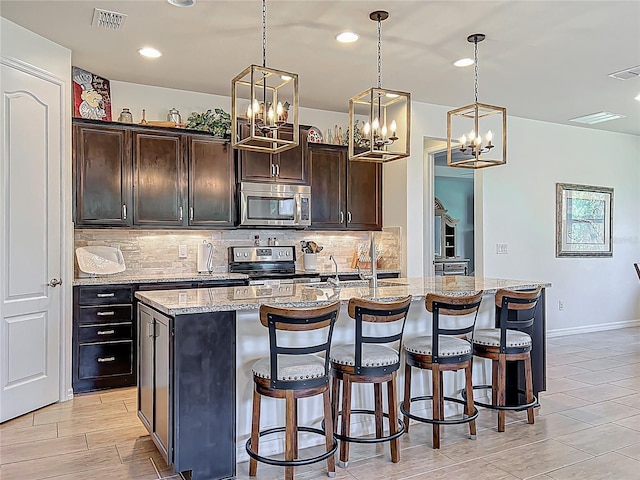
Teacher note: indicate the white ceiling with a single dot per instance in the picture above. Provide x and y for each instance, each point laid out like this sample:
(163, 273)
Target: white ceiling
(544, 60)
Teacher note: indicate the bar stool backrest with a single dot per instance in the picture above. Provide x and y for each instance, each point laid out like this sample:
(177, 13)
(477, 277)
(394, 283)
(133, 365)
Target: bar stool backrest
(449, 306)
(515, 310)
(637, 269)
(302, 320)
(371, 311)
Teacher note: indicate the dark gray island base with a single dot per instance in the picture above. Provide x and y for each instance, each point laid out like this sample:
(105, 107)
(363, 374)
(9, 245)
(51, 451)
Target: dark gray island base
(186, 389)
(191, 382)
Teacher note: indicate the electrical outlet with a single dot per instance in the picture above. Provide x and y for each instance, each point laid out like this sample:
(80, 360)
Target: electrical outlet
(560, 305)
(501, 248)
(182, 251)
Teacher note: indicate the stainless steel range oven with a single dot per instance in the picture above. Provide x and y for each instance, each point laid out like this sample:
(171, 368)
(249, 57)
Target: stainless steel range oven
(266, 265)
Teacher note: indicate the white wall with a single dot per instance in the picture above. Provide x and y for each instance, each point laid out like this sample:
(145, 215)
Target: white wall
(519, 209)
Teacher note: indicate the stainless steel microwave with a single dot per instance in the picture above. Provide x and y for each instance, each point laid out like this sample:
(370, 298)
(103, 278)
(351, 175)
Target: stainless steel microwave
(275, 205)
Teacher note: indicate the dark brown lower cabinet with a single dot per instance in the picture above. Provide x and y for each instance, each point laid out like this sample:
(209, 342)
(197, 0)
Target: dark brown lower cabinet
(104, 351)
(344, 194)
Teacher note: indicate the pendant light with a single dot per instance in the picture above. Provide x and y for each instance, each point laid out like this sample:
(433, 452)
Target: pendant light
(264, 105)
(484, 143)
(384, 134)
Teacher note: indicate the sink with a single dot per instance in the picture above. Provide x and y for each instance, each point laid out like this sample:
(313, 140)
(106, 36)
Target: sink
(359, 283)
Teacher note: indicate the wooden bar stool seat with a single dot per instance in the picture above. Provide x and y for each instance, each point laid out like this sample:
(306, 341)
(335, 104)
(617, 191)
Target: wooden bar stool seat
(446, 349)
(372, 359)
(293, 372)
(515, 312)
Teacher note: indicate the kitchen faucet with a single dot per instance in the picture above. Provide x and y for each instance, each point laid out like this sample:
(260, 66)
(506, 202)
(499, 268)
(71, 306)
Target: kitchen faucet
(373, 280)
(334, 281)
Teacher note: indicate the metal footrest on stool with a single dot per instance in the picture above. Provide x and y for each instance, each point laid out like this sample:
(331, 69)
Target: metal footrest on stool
(291, 463)
(517, 408)
(451, 421)
(385, 438)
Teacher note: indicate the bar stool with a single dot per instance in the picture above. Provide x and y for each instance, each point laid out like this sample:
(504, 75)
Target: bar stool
(515, 312)
(444, 350)
(370, 360)
(293, 372)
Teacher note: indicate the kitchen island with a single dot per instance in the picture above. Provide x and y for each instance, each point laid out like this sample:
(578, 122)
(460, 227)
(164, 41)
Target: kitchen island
(197, 346)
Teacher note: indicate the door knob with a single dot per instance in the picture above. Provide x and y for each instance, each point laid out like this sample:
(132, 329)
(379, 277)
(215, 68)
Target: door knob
(55, 282)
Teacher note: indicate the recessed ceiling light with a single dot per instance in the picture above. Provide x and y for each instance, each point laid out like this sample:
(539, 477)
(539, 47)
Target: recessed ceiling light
(182, 3)
(638, 98)
(150, 52)
(596, 118)
(347, 37)
(463, 62)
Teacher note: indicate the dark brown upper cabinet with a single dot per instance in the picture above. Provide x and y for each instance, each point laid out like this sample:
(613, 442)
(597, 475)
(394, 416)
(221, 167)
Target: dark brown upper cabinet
(132, 175)
(102, 168)
(159, 177)
(211, 182)
(289, 166)
(344, 195)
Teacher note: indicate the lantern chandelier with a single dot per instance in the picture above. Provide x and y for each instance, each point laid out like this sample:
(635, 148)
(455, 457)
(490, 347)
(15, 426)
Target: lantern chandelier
(384, 134)
(264, 105)
(472, 150)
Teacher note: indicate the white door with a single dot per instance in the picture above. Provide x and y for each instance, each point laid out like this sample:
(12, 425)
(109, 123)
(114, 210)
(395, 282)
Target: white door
(30, 238)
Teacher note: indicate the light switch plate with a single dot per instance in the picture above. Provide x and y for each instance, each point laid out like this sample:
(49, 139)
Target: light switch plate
(501, 248)
(182, 251)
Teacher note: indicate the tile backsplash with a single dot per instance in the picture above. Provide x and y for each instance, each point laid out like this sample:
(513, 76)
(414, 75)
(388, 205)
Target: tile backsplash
(148, 252)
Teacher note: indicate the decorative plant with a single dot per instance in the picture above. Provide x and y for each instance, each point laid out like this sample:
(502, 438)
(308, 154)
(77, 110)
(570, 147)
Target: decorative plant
(218, 123)
(357, 136)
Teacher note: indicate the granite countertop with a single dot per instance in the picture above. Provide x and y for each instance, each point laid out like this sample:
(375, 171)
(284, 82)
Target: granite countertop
(205, 300)
(156, 278)
(126, 278)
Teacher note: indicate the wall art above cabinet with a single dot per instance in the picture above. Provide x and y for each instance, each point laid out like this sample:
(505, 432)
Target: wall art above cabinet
(136, 176)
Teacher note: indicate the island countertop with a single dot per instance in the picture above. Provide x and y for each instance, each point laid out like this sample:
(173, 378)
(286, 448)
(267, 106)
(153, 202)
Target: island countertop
(206, 300)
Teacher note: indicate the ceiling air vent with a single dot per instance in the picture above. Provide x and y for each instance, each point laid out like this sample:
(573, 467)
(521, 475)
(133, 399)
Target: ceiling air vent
(626, 74)
(596, 118)
(107, 19)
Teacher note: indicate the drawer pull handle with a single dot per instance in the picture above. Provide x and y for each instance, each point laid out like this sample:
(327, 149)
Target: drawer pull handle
(106, 359)
(105, 295)
(106, 314)
(106, 332)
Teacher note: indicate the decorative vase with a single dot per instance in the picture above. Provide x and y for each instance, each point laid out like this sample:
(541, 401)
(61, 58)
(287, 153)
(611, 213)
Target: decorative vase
(125, 116)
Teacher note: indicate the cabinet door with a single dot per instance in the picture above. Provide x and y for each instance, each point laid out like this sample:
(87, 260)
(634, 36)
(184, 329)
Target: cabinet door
(162, 430)
(102, 171)
(364, 196)
(145, 366)
(211, 183)
(254, 166)
(292, 164)
(158, 179)
(327, 169)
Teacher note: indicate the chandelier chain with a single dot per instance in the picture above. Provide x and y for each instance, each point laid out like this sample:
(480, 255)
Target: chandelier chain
(476, 68)
(264, 33)
(379, 52)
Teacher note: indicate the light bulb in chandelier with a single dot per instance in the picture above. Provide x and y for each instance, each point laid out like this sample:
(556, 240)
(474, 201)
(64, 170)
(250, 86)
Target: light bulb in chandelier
(474, 144)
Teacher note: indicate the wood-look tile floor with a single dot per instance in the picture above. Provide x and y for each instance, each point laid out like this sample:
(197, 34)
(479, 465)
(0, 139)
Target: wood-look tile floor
(588, 427)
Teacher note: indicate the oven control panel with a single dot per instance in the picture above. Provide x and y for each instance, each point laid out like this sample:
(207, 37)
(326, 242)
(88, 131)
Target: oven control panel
(262, 254)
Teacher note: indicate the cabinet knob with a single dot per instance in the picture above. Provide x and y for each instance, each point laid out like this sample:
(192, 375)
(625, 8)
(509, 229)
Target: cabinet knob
(341, 217)
(180, 213)
(348, 217)
(191, 214)
(124, 212)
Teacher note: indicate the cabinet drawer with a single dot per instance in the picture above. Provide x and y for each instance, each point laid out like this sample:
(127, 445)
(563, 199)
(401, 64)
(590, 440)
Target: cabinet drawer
(454, 267)
(105, 333)
(106, 314)
(105, 359)
(104, 295)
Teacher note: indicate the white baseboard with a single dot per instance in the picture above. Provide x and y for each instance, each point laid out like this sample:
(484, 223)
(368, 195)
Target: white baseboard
(561, 332)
